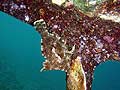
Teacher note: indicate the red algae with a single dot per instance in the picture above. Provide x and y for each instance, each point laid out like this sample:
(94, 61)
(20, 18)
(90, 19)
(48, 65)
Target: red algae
(67, 34)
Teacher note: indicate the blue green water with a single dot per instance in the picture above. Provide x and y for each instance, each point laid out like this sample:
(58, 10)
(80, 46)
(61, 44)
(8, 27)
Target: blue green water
(21, 61)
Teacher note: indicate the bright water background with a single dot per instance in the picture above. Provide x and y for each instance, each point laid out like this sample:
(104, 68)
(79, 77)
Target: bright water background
(21, 61)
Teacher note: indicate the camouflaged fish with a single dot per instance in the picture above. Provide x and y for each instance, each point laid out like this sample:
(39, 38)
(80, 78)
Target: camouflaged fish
(72, 41)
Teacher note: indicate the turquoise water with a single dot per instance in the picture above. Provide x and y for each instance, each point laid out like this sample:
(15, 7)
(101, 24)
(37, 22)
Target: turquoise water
(21, 61)
(107, 76)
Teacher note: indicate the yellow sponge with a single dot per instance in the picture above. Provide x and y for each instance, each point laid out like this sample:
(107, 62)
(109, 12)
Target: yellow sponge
(58, 2)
